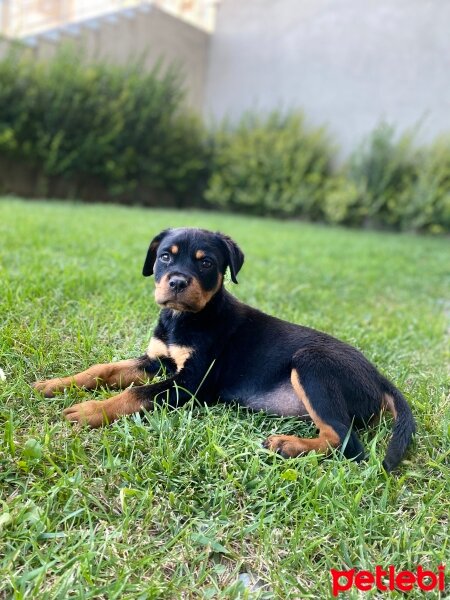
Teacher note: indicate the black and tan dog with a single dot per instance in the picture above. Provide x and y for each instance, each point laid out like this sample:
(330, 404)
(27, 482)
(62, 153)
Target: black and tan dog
(215, 347)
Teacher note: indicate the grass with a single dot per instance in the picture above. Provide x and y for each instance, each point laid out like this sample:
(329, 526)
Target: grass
(183, 504)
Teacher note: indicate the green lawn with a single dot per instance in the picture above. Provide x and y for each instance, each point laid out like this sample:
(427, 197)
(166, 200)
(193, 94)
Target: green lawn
(178, 504)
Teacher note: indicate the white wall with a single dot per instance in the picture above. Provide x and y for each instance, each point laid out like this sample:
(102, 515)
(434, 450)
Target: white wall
(347, 63)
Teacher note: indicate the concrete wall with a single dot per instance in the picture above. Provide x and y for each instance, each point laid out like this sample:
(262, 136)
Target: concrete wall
(134, 33)
(347, 63)
(5, 46)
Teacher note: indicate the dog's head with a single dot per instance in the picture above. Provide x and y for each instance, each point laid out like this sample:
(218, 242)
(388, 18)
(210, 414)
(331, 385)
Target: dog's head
(189, 265)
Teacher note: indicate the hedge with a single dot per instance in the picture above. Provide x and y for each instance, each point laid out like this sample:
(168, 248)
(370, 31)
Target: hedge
(121, 126)
(391, 182)
(277, 166)
(272, 166)
(130, 131)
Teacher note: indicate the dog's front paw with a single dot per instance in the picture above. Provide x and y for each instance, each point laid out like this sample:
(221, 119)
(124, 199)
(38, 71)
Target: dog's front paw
(286, 446)
(48, 387)
(91, 412)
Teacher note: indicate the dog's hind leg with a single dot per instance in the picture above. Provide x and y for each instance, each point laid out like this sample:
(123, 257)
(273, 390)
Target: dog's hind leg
(325, 404)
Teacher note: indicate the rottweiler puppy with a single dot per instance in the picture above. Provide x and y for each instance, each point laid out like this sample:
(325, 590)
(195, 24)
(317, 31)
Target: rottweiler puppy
(214, 347)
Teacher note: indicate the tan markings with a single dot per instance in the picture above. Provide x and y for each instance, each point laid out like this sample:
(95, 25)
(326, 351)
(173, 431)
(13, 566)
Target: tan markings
(287, 445)
(200, 254)
(179, 354)
(174, 249)
(96, 413)
(200, 296)
(121, 374)
(388, 404)
(291, 445)
(193, 299)
(162, 290)
(326, 432)
(157, 348)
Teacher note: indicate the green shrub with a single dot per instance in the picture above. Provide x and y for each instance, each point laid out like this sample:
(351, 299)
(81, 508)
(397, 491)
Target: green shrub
(342, 202)
(391, 182)
(429, 205)
(270, 166)
(122, 126)
(383, 170)
(129, 130)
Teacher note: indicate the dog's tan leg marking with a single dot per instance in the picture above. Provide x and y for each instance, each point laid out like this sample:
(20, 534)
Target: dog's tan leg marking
(96, 413)
(291, 445)
(388, 404)
(121, 374)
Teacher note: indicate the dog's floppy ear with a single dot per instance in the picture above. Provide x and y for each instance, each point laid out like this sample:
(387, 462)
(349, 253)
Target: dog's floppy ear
(151, 253)
(235, 256)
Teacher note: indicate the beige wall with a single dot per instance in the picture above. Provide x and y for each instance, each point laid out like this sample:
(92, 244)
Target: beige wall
(347, 63)
(154, 33)
(19, 18)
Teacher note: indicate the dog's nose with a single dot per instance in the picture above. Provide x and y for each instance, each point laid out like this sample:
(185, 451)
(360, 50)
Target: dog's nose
(177, 283)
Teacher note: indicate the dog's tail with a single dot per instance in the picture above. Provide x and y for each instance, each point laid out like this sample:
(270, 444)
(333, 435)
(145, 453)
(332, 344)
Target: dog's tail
(404, 426)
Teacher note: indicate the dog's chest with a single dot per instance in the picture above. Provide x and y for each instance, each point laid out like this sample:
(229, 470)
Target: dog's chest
(179, 354)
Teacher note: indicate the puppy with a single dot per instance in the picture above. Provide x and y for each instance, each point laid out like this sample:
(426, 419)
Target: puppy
(214, 347)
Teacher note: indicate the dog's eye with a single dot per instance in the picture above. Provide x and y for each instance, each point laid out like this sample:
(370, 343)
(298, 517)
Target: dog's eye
(165, 257)
(206, 264)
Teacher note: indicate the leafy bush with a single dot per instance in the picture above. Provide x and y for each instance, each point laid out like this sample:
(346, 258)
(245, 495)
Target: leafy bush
(342, 202)
(128, 129)
(383, 170)
(429, 205)
(120, 125)
(390, 182)
(270, 166)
